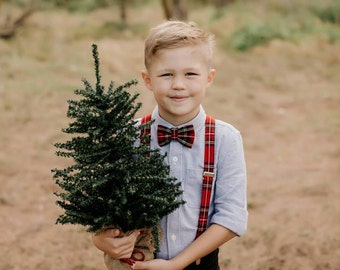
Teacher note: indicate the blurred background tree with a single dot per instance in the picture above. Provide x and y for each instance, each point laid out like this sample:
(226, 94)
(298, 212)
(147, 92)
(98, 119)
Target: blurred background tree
(10, 22)
(172, 9)
(175, 9)
(252, 23)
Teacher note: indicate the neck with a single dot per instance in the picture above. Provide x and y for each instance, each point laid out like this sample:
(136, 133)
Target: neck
(177, 121)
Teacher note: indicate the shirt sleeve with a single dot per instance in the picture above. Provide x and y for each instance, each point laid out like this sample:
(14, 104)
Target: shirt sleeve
(230, 200)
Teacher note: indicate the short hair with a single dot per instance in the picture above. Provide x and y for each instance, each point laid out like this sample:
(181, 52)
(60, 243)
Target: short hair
(176, 34)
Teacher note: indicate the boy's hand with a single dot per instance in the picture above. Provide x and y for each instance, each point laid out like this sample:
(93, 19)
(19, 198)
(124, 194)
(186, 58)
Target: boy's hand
(156, 264)
(117, 247)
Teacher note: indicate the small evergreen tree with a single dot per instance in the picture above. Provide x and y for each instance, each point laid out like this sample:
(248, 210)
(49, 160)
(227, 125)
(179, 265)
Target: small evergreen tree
(113, 181)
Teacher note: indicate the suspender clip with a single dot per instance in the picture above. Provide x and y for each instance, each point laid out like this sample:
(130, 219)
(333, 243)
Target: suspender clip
(208, 174)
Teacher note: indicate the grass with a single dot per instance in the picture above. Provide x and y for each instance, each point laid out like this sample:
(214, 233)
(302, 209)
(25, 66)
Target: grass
(329, 13)
(253, 35)
(115, 29)
(251, 25)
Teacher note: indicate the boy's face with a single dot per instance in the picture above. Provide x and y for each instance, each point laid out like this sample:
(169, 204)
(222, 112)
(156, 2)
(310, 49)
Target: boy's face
(178, 79)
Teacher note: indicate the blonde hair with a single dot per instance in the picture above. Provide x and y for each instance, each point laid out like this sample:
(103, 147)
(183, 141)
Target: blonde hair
(176, 34)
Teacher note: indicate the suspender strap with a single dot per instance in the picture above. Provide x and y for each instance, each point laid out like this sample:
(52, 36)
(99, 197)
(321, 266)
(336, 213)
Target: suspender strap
(208, 174)
(146, 129)
(208, 171)
(145, 132)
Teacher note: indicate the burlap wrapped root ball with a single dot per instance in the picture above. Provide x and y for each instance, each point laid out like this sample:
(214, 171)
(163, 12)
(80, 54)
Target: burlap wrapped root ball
(144, 251)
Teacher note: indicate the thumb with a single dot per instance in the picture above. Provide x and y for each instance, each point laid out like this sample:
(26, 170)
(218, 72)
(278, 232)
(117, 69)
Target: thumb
(140, 265)
(113, 232)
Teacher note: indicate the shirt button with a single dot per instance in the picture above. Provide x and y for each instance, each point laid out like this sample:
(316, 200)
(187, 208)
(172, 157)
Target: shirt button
(173, 238)
(175, 159)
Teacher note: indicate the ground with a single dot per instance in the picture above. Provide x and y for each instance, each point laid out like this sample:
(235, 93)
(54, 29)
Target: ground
(283, 97)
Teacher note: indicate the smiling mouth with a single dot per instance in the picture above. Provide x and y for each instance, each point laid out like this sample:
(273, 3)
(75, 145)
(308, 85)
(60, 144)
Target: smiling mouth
(177, 98)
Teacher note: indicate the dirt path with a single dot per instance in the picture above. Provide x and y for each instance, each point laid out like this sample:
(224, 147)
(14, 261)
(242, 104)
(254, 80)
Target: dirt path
(284, 98)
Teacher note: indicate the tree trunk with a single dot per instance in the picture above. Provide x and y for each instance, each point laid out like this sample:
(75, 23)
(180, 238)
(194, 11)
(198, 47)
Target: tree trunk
(167, 8)
(123, 16)
(222, 3)
(180, 10)
(175, 9)
(8, 30)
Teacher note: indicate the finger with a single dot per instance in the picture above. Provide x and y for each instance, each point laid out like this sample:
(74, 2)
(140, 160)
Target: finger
(112, 232)
(140, 265)
(128, 241)
(133, 236)
(120, 252)
(123, 247)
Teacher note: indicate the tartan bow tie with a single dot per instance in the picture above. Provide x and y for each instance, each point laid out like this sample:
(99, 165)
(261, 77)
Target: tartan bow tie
(185, 135)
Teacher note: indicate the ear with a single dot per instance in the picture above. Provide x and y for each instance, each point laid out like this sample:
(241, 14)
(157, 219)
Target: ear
(211, 76)
(146, 79)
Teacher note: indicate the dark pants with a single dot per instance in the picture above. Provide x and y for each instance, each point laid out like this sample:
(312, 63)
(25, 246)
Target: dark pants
(209, 262)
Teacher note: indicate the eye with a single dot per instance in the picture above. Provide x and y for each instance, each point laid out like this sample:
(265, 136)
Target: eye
(191, 74)
(165, 75)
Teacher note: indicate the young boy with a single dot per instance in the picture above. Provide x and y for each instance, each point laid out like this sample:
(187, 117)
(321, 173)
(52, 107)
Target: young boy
(178, 72)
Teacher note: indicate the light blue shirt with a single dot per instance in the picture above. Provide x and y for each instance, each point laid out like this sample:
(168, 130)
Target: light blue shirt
(228, 206)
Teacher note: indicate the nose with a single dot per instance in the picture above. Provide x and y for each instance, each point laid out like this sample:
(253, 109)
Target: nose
(178, 83)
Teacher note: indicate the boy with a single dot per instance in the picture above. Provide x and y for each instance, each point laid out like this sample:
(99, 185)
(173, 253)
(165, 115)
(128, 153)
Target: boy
(178, 72)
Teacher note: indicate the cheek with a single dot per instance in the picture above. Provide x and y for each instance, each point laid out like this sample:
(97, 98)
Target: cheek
(160, 85)
(198, 86)
(200, 90)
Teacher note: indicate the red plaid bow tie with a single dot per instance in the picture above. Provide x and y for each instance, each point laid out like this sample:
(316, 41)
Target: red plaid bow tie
(185, 135)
